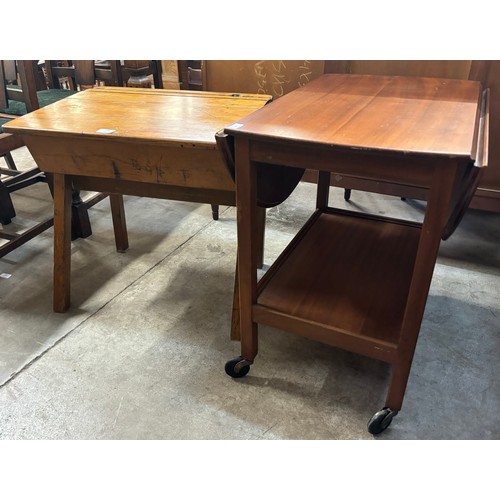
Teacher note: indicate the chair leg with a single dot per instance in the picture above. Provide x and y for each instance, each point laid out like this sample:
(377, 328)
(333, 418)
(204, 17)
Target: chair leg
(10, 161)
(80, 221)
(215, 212)
(16, 241)
(119, 222)
(7, 212)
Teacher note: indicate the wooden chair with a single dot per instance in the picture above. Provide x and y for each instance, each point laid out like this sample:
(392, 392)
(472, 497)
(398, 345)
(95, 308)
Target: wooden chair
(12, 180)
(82, 74)
(138, 73)
(108, 72)
(19, 95)
(190, 74)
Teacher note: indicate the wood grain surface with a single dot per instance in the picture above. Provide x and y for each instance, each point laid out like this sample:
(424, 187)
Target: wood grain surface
(429, 116)
(183, 119)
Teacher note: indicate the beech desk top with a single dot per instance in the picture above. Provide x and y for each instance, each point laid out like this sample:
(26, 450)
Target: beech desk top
(411, 115)
(172, 117)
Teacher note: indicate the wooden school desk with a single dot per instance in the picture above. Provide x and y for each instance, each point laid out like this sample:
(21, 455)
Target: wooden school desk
(144, 142)
(354, 280)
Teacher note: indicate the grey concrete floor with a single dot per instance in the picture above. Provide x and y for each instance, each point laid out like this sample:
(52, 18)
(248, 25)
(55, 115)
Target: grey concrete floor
(141, 352)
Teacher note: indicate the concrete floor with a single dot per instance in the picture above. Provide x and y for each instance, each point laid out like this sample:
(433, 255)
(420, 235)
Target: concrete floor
(141, 352)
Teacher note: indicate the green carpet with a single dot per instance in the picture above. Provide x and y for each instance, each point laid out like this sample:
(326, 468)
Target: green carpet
(45, 97)
(3, 121)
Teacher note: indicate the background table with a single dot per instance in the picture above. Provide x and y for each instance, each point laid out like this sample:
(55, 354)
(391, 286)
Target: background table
(352, 280)
(145, 142)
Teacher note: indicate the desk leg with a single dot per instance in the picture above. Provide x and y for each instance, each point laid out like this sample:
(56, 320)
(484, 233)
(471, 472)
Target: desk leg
(119, 222)
(428, 248)
(62, 242)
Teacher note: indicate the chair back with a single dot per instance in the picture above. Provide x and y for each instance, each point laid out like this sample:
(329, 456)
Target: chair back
(190, 75)
(82, 74)
(8, 74)
(26, 91)
(4, 101)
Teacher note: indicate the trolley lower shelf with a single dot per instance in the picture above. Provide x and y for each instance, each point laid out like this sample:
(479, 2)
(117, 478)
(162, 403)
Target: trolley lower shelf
(344, 281)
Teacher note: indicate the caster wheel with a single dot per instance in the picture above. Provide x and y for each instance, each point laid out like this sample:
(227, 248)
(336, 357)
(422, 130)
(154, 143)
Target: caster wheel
(347, 194)
(381, 420)
(237, 367)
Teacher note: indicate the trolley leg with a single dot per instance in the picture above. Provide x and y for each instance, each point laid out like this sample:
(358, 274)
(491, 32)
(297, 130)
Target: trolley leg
(428, 248)
(397, 385)
(248, 250)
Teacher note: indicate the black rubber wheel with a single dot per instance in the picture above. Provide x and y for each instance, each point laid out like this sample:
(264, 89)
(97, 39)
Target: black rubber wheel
(347, 194)
(381, 420)
(237, 367)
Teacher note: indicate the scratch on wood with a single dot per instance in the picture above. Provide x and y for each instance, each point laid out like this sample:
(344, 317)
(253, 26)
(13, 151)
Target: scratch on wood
(116, 172)
(139, 168)
(185, 174)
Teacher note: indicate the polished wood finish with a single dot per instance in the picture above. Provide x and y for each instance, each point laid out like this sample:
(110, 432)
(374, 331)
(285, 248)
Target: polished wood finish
(150, 142)
(353, 115)
(425, 68)
(487, 194)
(367, 297)
(182, 119)
(353, 280)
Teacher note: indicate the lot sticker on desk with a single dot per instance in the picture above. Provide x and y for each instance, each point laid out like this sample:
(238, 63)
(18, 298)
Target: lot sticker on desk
(236, 125)
(105, 131)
